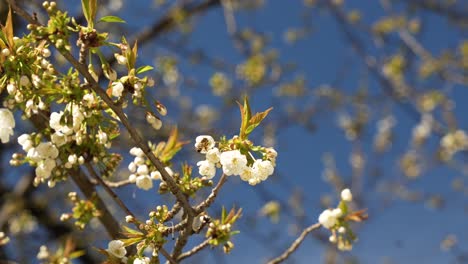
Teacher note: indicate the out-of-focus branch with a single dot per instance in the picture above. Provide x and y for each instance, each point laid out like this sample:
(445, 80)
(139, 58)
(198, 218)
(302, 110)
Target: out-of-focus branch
(439, 8)
(295, 244)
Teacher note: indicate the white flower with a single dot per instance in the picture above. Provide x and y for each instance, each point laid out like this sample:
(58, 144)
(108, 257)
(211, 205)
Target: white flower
(44, 169)
(247, 174)
(144, 182)
(204, 143)
(110, 73)
(116, 248)
(43, 253)
(155, 175)
(73, 159)
(58, 139)
(7, 123)
(129, 218)
(137, 152)
(206, 168)
(346, 195)
(25, 142)
(47, 150)
(262, 169)
(233, 162)
(102, 137)
(46, 53)
(142, 170)
(55, 124)
(117, 89)
(154, 121)
(24, 81)
(11, 88)
(120, 59)
(212, 155)
(144, 260)
(342, 230)
(132, 167)
(328, 218)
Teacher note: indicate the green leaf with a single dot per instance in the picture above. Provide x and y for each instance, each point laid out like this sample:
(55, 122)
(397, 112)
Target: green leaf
(143, 69)
(8, 30)
(112, 19)
(223, 215)
(256, 120)
(89, 11)
(245, 117)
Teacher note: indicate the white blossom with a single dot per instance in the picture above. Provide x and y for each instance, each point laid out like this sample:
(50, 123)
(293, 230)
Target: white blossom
(7, 123)
(117, 89)
(116, 248)
(247, 174)
(137, 152)
(204, 143)
(233, 162)
(212, 155)
(144, 182)
(43, 253)
(120, 59)
(329, 217)
(346, 195)
(206, 168)
(262, 169)
(142, 170)
(25, 142)
(24, 81)
(144, 260)
(47, 150)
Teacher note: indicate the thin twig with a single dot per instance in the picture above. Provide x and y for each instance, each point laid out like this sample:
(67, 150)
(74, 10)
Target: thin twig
(295, 244)
(167, 256)
(210, 199)
(175, 209)
(108, 189)
(194, 250)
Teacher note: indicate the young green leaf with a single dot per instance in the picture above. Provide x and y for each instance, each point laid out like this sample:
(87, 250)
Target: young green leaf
(112, 19)
(256, 120)
(143, 69)
(245, 117)
(89, 11)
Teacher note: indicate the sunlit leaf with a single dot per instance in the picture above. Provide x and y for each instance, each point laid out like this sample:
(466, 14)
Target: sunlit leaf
(143, 69)
(111, 19)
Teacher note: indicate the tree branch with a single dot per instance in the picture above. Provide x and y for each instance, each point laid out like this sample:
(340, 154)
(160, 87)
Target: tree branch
(194, 250)
(295, 244)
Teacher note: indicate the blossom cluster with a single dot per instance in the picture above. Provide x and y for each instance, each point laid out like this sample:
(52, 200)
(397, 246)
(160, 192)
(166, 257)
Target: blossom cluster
(42, 155)
(234, 162)
(335, 220)
(142, 173)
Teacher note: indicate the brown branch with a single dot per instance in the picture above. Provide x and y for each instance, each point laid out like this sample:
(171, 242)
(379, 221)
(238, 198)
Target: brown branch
(295, 244)
(167, 256)
(112, 184)
(210, 199)
(167, 22)
(108, 190)
(194, 250)
(105, 217)
(138, 140)
(175, 209)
